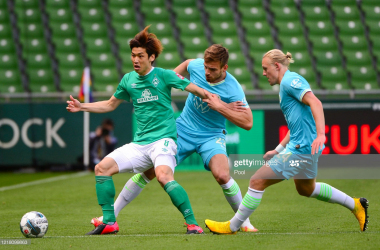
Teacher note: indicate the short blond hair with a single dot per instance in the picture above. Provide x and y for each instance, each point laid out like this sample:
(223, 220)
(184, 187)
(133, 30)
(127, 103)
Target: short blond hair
(278, 56)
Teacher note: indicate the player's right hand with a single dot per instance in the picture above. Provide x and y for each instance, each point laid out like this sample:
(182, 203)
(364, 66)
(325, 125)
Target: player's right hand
(73, 105)
(269, 155)
(238, 106)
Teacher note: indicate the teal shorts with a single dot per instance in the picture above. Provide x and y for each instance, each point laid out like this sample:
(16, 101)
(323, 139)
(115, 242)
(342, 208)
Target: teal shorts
(205, 145)
(288, 164)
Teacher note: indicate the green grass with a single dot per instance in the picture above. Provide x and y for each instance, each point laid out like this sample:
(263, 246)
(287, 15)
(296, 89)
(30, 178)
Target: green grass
(285, 220)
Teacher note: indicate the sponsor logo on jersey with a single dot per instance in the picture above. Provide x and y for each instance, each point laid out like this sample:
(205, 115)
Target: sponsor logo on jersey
(165, 150)
(296, 83)
(133, 85)
(201, 106)
(155, 81)
(180, 76)
(146, 96)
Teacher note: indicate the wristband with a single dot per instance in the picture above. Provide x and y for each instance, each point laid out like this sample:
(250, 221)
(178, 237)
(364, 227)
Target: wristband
(279, 148)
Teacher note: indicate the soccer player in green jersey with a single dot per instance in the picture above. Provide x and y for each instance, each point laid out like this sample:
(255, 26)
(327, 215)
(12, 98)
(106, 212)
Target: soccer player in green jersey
(154, 144)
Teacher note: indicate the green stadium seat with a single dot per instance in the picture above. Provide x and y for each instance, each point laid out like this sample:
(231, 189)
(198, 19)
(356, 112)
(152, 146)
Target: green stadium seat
(334, 78)
(363, 77)
(35, 45)
(343, 3)
(153, 3)
(8, 61)
(282, 3)
(289, 28)
(70, 79)
(126, 29)
(313, 3)
(374, 27)
(94, 29)
(91, 15)
(307, 72)
(120, 4)
(10, 81)
(353, 27)
(291, 43)
(225, 28)
(220, 14)
(5, 31)
(60, 15)
(41, 80)
(168, 60)
(249, 3)
(260, 28)
(327, 58)
(354, 42)
(123, 43)
(241, 74)
(161, 29)
(127, 65)
(371, 12)
(320, 27)
(101, 59)
(375, 40)
(346, 12)
(97, 44)
(122, 14)
(195, 44)
(316, 13)
(69, 44)
(357, 58)
(155, 14)
(216, 3)
(260, 44)
(19, 4)
(31, 30)
(285, 13)
(187, 13)
(58, 4)
(193, 54)
(6, 45)
(105, 79)
(4, 16)
(232, 43)
(252, 12)
(70, 60)
(184, 3)
(90, 3)
(169, 43)
(28, 15)
(324, 42)
(300, 57)
(236, 59)
(38, 60)
(191, 29)
(62, 30)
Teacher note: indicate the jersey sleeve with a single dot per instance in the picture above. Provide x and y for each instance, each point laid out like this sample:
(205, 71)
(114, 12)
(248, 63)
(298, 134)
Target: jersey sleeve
(121, 91)
(238, 95)
(297, 88)
(174, 80)
(193, 65)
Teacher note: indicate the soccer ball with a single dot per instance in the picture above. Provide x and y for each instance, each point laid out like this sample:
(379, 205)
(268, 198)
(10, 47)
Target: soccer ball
(33, 225)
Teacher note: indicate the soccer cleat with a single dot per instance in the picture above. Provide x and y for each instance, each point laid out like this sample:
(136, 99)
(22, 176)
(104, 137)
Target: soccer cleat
(194, 229)
(97, 221)
(219, 227)
(360, 212)
(105, 229)
(249, 229)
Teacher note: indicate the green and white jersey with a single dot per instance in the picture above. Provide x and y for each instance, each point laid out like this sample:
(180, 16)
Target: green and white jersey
(151, 97)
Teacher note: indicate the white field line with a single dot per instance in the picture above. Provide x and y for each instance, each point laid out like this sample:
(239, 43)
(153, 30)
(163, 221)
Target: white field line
(187, 235)
(47, 180)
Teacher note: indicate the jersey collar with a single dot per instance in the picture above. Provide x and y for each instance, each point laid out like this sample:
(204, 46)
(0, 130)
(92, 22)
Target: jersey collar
(215, 84)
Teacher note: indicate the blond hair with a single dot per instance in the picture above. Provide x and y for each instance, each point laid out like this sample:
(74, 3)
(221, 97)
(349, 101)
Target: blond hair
(278, 56)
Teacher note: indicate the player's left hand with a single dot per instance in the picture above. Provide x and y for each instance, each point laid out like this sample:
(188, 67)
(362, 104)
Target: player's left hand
(213, 101)
(318, 144)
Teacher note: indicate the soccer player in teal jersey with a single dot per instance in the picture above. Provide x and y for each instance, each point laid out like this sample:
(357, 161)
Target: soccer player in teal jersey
(303, 144)
(201, 126)
(154, 144)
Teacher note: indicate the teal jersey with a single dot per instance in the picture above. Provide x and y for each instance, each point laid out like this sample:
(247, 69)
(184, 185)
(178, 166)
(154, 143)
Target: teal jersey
(298, 115)
(151, 98)
(197, 117)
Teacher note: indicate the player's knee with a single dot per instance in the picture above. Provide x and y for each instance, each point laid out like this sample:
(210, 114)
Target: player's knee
(304, 192)
(98, 169)
(222, 177)
(257, 184)
(163, 178)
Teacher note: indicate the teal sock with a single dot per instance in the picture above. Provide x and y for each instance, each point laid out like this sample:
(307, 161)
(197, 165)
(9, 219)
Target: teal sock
(105, 191)
(180, 199)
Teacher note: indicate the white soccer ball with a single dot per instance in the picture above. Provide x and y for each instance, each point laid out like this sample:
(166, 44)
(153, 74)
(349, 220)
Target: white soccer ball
(33, 225)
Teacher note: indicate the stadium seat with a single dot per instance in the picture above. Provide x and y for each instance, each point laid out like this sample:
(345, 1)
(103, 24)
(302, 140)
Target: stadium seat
(38, 60)
(120, 4)
(41, 80)
(289, 28)
(60, 15)
(58, 4)
(354, 42)
(282, 3)
(153, 3)
(35, 45)
(168, 60)
(90, 3)
(232, 43)
(123, 43)
(285, 13)
(6, 45)
(31, 30)
(195, 44)
(307, 72)
(252, 13)
(10, 81)
(363, 77)
(169, 44)
(97, 44)
(249, 3)
(260, 28)
(184, 3)
(191, 29)
(69, 44)
(193, 54)
(187, 13)
(374, 27)
(316, 13)
(372, 12)
(122, 14)
(225, 28)
(161, 29)
(101, 59)
(324, 42)
(219, 14)
(8, 61)
(70, 60)
(63, 29)
(105, 79)
(95, 15)
(236, 59)
(126, 29)
(70, 79)
(5, 31)
(334, 78)
(291, 43)
(352, 27)
(357, 58)
(313, 3)
(300, 57)
(260, 44)
(327, 58)
(28, 15)
(351, 3)
(241, 74)
(94, 29)
(320, 27)
(4, 16)
(216, 3)
(155, 14)
(26, 4)
(346, 12)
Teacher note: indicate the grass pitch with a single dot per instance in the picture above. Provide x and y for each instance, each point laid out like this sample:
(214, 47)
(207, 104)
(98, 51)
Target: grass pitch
(285, 219)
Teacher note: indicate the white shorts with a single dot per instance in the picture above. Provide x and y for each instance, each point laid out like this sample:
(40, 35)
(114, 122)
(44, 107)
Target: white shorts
(135, 158)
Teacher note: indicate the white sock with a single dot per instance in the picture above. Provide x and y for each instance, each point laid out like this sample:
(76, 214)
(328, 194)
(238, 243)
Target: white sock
(131, 190)
(232, 193)
(325, 192)
(250, 202)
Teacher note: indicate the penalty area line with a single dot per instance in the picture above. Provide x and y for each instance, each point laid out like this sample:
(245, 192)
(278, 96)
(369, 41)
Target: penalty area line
(47, 180)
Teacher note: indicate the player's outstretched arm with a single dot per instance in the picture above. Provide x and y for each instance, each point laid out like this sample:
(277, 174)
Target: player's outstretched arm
(317, 110)
(194, 89)
(242, 119)
(95, 107)
(182, 68)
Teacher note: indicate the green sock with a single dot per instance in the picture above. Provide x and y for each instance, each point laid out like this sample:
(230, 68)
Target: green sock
(180, 199)
(105, 191)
